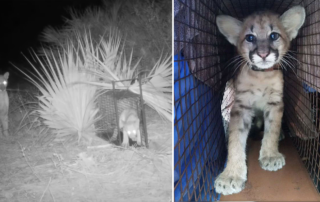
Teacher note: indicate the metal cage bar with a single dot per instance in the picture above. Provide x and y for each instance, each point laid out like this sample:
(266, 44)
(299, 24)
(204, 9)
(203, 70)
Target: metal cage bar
(140, 110)
(121, 99)
(307, 47)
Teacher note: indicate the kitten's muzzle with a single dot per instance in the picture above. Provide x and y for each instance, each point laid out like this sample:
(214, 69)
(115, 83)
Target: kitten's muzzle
(263, 54)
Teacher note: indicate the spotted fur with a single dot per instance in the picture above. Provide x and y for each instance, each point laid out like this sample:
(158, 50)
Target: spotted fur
(262, 40)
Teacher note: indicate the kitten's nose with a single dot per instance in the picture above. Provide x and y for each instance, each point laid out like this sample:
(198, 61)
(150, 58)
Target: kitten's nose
(263, 55)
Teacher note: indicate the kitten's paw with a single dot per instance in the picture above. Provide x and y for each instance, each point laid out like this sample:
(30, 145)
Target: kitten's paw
(227, 184)
(272, 163)
(125, 144)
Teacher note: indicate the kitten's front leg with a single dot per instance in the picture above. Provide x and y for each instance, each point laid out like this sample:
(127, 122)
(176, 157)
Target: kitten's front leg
(125, 141)
(233, 178)
(270, 158)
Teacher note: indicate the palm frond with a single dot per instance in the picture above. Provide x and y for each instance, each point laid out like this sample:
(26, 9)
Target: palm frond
(66, 104)
(157, 90)
(114, 66)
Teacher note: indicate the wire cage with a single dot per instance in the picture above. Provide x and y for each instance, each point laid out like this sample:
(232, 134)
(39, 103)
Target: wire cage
(201, 72)
(111, 104)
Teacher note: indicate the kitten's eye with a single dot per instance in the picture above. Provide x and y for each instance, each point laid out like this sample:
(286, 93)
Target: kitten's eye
(5, 83)
(134, 131)
(129, 132)
(274, 36)
(250, 38)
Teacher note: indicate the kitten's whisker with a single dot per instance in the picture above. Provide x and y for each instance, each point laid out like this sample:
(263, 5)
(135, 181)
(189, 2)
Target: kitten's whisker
(291, 56)
(233, 60)
(289, 62)
(292, 51)
(238, 65)
(282, 66)
(291, 67)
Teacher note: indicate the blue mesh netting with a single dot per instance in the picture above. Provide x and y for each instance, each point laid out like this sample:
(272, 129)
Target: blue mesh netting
(199, 140)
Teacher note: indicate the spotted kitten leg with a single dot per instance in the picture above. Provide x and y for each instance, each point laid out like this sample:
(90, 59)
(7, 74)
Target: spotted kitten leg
(270, 158)
(233, 178)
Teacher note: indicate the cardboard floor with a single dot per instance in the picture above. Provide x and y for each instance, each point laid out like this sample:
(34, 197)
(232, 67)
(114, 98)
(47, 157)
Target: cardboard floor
(291, 183)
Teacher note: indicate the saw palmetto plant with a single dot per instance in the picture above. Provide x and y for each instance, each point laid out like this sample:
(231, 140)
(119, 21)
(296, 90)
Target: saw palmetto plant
(66, 104)
(114, 66)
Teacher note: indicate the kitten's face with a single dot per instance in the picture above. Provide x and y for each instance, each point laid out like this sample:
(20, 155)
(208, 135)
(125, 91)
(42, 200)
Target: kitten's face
(4, 81)
(132, 130)
(263, 38)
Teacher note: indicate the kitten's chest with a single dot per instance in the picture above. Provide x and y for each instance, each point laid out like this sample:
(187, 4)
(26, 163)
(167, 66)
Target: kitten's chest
(256, 89)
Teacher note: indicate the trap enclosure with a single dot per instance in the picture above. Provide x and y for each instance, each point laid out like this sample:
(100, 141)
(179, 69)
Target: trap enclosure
(202, 69)
(112, 103)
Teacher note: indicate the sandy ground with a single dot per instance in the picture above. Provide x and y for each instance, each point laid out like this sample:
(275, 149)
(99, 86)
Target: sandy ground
(35, 168)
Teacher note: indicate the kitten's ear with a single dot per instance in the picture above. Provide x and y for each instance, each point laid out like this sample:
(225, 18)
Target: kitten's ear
(6, 75)
(229, 27)
(292, 20)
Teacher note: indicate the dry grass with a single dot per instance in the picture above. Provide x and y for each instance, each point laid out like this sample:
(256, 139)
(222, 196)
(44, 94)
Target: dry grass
(22, 119)
(103, 172)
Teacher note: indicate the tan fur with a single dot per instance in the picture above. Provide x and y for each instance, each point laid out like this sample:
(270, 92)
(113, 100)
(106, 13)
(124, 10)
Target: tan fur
(129, 123)
(4, 103)
(256, 90)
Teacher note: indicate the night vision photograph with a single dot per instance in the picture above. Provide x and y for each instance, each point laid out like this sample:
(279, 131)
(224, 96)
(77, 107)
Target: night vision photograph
(86, 100)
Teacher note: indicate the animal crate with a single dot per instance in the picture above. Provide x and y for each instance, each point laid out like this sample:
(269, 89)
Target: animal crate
(111, 104)
(201, 72)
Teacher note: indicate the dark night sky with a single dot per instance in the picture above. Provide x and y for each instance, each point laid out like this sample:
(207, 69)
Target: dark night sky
(22, 22)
